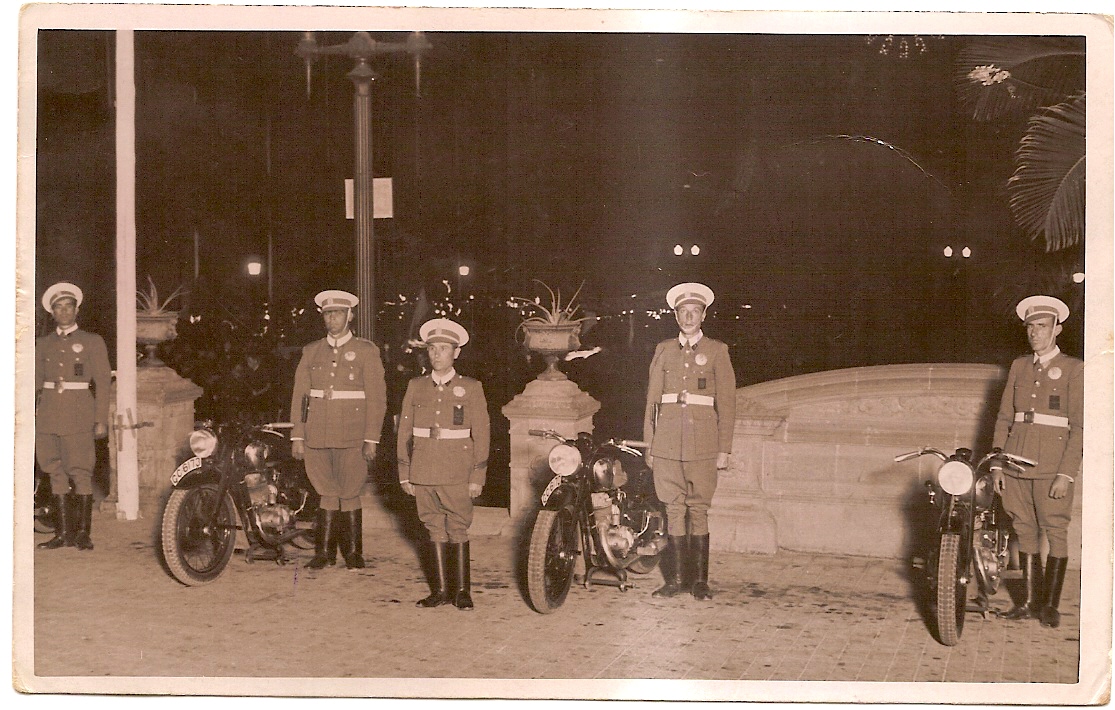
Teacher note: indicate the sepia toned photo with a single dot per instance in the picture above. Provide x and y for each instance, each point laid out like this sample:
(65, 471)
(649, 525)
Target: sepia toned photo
(465, 353)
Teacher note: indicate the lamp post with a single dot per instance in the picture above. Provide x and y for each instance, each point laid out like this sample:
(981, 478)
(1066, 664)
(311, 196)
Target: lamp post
(362, 49)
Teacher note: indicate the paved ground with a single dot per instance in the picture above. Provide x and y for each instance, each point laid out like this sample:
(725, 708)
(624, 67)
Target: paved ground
(114, 613)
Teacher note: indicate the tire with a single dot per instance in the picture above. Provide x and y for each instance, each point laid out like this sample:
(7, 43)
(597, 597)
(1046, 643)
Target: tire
(551, 559)
(194, 554)
(952, 596)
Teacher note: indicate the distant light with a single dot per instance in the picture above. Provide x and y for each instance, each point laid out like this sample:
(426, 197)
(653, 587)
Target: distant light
(948, 251)
(634, 295)
(695, 250)
(463, 270)
(255, 268)
(678, 250)
(1078, 277)
(747, 305)
(966, 252)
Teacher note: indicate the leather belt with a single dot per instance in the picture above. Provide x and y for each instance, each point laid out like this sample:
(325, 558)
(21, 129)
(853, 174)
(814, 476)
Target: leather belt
(439, 433)
(684, 397)
(337, 394)
(1039, 418)
(61, 385)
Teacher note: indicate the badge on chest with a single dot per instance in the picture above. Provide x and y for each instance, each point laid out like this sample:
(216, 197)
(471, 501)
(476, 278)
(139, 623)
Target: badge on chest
(458, 414)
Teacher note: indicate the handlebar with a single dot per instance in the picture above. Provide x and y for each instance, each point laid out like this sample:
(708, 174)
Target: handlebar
(1012, 460)
(551, 434)
(633, 443)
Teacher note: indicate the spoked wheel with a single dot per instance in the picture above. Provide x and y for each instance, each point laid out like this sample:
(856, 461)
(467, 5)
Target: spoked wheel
(952, 593)
(552, 556)
(197, 551)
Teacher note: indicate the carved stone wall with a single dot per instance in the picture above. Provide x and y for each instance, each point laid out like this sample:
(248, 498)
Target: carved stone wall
(812, 463)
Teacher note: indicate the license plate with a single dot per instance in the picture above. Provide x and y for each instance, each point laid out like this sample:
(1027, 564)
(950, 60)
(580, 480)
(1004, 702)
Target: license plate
(550, 488)
(186, 466)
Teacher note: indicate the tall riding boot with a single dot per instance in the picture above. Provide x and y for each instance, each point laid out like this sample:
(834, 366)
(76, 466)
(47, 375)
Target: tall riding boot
(84, 518)
(699, 550)
(326, 521)
(439, 584)
(1054, 582)
(673, 562)
(463, 597)
(331, 543)
(62, 518)
(353, 547)
(1031, 584)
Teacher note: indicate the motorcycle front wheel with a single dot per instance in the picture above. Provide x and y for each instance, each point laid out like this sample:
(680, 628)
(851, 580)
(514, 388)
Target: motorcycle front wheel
(952, 594)
(195, 551)
(551, 559)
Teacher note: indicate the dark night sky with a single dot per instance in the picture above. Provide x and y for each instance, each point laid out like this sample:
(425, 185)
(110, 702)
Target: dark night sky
(820, 178)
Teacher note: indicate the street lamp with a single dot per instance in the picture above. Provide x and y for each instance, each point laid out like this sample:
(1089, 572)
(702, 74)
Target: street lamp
(361, 48)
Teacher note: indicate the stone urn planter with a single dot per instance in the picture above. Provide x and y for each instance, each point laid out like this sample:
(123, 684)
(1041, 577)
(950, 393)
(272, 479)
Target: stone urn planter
(154, 323)
(552, 332)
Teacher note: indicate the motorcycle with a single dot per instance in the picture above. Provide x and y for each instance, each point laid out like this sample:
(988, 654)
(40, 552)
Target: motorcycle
(241, 478)
(972, 535)
(599, 506)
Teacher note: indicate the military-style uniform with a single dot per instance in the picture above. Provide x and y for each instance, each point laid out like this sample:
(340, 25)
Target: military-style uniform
(342, 384)
(73, 382)
(442, 448)
(443, 442)
(337, 405)
(73, 379)
(688, 423)
(689, 419)
(1041, 418)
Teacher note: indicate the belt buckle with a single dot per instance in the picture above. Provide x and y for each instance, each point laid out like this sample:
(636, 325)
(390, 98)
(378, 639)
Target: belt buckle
(683, 397)
(1028, 417)
(435, 432)
(328, 394)
(59, 384)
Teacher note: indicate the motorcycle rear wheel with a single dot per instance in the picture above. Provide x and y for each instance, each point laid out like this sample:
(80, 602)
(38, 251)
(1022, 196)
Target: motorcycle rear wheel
(952, 594)
(195, 552)
(551, 559)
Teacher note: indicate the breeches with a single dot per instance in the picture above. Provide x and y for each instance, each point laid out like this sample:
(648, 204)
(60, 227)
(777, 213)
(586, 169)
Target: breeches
(338, 475)
(67, 458)
(685, 486)
(1032, 510)
(446, 511)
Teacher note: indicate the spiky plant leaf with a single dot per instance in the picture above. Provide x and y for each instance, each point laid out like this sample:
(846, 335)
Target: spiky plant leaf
(1002, 76)
(1047, 188)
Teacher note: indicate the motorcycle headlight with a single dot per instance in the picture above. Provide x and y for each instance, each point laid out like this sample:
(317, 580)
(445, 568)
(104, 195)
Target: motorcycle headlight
(955, 477)
(564, 459)
(203, 442)
(256, 453)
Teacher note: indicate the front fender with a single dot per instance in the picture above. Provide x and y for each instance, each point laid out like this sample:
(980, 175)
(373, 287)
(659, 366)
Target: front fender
(564, 495)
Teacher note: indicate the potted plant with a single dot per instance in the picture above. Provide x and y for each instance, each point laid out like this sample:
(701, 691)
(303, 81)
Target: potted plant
(155, 322)
(552, 331)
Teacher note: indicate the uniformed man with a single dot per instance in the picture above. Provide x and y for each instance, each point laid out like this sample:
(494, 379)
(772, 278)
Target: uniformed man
(1041, 418)
(337, 406)
(73, 381)
(443, 458)
(689, 420)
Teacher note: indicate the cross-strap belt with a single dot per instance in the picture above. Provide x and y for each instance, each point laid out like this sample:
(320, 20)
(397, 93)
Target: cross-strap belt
(685, 397)
(1039, 418)
(439, 433)
(337, 394)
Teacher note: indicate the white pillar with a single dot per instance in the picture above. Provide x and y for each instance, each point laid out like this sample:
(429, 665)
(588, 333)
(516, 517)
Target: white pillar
(127, 473)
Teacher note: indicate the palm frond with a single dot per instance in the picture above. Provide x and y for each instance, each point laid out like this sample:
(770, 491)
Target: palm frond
(1003, 76)
(1047, 192)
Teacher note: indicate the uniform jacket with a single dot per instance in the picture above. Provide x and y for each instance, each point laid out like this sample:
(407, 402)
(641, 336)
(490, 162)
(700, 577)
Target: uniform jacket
(458, 404)
(78, 357)
(1057, 388)
(339, 423)
(690, 432)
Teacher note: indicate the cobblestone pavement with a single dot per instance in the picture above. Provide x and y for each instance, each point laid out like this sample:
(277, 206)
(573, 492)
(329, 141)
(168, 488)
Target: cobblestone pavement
(115, 613)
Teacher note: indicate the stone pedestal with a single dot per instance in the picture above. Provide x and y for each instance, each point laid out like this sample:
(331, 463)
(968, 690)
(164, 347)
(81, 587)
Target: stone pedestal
(164, 422)
(544, 404)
